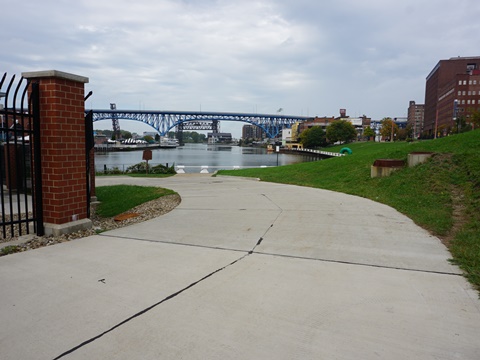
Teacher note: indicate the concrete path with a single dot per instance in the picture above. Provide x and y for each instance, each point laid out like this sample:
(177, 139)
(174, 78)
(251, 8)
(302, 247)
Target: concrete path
(242, 270)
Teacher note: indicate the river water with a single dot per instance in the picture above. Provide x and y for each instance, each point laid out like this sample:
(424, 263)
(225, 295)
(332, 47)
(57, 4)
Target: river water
(195, 156)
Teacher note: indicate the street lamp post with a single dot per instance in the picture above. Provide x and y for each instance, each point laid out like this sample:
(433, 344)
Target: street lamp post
(455, 104)
(393, 124)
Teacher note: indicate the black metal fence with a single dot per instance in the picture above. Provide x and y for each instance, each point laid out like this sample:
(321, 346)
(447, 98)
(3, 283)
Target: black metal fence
(89, 144)
(20, 162)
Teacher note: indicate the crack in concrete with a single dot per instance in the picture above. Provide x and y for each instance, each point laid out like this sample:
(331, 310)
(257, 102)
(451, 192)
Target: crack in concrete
(86, 342)
(169, 297)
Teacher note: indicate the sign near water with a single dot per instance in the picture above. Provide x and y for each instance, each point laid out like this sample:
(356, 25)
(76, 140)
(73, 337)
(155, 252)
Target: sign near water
(147, 155)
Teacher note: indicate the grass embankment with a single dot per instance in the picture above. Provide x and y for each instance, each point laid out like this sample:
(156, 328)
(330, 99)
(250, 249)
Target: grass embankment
(117, 199)
(442, 195)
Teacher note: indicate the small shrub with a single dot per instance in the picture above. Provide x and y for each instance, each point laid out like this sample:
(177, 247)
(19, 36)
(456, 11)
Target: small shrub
(141, 168)
(9, 250)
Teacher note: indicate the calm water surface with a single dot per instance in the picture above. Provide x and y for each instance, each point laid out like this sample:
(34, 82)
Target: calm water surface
(194, 156)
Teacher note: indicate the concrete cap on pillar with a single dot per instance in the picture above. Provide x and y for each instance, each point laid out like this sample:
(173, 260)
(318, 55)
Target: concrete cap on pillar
(55, 74)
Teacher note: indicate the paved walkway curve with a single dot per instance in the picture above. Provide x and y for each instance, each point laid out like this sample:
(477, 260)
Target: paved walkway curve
(242, 269)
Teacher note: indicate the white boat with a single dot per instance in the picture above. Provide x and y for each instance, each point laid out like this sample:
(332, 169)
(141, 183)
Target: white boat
(168, 143)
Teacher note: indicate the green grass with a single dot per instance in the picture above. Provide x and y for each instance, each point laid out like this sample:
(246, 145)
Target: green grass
(117, 199)
(11, 249)
(428, 193)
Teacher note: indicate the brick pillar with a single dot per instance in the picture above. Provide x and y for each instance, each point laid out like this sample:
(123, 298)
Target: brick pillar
(62, 135)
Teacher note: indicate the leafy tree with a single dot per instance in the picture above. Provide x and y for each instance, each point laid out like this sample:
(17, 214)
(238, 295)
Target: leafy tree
(342, 131)
(475, 118)
(404, 134)
(369, 133)
(202, 138)
(386, 129)
(148, 139)
(313, 137)
(461, 125)
(194, 136)
(126, 134)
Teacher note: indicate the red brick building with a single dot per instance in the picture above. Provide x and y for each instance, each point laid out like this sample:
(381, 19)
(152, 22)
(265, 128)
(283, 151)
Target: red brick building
(452, 90)
(323, 122)
(252, 132)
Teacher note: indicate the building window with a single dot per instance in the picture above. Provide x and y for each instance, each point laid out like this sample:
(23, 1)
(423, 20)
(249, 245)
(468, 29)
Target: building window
(470, 82)
(473, 102)
(459, 93)
(464, 82)
(468, 102)
(464, 93)
(459, 82)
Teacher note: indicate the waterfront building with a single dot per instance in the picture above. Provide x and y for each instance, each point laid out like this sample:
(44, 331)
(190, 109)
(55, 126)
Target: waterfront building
(149, 133)
(219, 138)
(360, 123)
(295, 132)
(100, 139)
(252, 132)
(323, 122)
(290, 138)
(452, 90)
(286, 136)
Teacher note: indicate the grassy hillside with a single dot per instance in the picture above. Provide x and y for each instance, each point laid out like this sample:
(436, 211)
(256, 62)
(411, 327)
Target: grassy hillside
(442, 195)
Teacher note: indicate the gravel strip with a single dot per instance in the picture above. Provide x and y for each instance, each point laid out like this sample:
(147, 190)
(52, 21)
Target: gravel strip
(143, 212)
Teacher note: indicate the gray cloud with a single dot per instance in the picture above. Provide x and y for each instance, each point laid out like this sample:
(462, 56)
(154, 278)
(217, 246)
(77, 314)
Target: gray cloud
(307, 57)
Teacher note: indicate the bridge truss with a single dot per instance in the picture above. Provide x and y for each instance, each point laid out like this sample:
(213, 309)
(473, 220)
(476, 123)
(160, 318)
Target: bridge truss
(164, 121)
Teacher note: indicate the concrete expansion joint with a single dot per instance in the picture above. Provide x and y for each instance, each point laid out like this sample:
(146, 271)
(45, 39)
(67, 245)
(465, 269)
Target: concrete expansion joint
(151, 307)
(273, 202)
(360, 264)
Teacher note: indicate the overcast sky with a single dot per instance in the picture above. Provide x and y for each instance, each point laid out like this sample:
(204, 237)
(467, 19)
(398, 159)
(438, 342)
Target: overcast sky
(308, 57)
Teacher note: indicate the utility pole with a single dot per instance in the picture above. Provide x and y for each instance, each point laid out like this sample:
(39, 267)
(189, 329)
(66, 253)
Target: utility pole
(393, 123)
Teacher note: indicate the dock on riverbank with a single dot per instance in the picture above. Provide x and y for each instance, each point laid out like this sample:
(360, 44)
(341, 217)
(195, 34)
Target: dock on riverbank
(310, 152)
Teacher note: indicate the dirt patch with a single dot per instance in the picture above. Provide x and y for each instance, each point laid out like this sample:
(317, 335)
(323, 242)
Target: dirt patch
(458, 215)
(123, 217)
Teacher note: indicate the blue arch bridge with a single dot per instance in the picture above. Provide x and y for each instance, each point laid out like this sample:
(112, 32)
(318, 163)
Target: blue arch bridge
(164, 121)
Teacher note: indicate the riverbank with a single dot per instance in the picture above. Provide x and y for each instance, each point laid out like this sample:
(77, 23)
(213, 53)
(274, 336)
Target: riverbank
(195, 156)
(138, 147)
